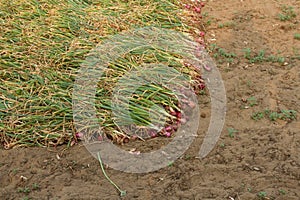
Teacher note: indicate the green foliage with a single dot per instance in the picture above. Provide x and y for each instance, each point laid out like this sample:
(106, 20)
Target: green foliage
(287, 115)
(231, 132)
(297, 36)
(221, 54)
(287, 14)
(44, 43)
(260, 57)
(262, 194)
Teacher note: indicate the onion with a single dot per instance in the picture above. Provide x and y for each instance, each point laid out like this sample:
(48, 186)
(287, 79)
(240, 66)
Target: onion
(168, 128)
(126, 140)
(197, 10)
(175, 127)
(178, 115)
(201, 86)
(79, 135)
(187, 6)
(168, 134)
(153, 134)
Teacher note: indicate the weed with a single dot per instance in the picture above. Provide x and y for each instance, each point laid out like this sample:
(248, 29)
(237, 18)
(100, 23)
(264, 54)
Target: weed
(261, 57)
(221, 54)
(225, 54)
(287, 14)
(287, 115)
(274, 116)
(247, 54)
(26, 198)
(24, 190)
(249, 84)
(212, 46)
(187, 157)
(35, 186)
(282, 192)
(228, 24)
(208, 22)
(262, 194)
(274, 59)
(15, 170)
(231, 132)
(205, 14)
(297, 36)
(257, 116)
(252, 101)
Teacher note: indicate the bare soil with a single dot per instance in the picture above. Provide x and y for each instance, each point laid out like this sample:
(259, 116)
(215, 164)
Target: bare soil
(259, 161)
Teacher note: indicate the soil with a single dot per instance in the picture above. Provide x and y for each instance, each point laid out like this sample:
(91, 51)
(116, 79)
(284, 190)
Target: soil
(260, 160)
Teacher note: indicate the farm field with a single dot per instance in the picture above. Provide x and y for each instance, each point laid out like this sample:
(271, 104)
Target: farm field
(256, 46)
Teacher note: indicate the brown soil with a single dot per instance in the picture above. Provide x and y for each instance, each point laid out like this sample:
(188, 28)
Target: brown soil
(263, 156)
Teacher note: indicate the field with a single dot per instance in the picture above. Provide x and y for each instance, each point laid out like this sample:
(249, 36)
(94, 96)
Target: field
(256, 45)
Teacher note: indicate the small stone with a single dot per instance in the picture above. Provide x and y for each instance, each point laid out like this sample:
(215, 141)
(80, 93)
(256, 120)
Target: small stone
(256, 168)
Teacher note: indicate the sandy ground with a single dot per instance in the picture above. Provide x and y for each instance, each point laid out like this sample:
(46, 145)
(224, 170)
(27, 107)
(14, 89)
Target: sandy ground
(260, 160)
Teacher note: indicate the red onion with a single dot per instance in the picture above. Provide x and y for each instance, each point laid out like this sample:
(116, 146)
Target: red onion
(168, 134)
(179, 115)
(197, 10)
(187, 6)
(153, 134)
(201, 86)
(79, 135)
(126, 140)
(168, 128)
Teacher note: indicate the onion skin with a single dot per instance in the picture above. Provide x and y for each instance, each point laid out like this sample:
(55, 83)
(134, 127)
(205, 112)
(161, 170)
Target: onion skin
(183, 120)
(191, 104)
